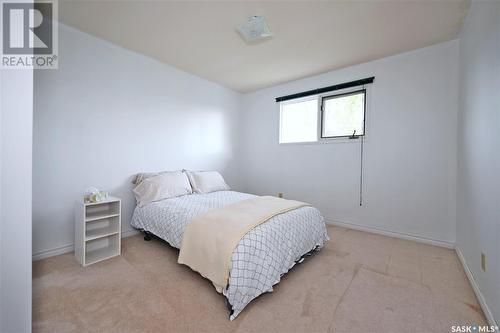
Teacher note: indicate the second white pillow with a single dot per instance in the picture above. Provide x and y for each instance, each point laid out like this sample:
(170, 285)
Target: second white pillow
(206, 181)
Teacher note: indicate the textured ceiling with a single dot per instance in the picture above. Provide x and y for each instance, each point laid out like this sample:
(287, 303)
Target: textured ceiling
(310, 37)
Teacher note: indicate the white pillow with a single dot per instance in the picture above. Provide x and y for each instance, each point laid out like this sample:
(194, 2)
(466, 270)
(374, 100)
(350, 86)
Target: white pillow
(164, 186)
(145, 175)
(206, 181)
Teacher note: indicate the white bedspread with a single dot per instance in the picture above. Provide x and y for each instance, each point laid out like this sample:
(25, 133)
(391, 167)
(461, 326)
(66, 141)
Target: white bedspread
(262, 256)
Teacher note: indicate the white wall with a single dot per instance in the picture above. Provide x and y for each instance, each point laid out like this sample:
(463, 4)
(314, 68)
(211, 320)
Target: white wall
(108, 113)
(478, 216)
(410, 148)
(16, 120)
(1, 201)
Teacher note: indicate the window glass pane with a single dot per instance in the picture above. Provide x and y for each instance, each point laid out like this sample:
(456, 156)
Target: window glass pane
(343, 115)
(299, 121)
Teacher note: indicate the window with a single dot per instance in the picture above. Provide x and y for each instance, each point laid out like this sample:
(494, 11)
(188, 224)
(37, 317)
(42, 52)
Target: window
(338, 115)
(343, 115)
(299, 121)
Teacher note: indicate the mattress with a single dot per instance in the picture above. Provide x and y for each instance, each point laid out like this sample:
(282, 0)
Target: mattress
(262, 256)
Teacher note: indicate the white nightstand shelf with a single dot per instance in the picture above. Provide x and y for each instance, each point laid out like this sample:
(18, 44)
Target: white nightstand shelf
(97, 230)
(98, 216)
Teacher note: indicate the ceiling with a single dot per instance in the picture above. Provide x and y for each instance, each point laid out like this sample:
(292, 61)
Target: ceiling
(310, 37)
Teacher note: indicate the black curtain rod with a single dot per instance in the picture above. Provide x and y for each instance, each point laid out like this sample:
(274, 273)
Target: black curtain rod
(327, 89)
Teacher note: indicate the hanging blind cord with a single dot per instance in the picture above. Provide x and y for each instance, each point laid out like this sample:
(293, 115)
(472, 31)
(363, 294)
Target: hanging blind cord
(361, 165)
(361, 173)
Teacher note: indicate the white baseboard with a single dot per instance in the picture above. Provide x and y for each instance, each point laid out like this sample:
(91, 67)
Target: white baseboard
(383, 232)
(475, 287)
(130, 232)
(53, 252)
(70, 247)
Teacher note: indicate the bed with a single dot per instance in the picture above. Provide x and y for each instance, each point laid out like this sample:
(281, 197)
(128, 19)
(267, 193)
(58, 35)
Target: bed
(260, 258)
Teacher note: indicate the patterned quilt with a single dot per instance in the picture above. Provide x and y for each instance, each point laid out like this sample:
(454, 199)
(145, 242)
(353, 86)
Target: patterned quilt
(262, 256)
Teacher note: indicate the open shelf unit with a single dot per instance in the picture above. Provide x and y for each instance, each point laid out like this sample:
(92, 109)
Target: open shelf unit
(97, 230)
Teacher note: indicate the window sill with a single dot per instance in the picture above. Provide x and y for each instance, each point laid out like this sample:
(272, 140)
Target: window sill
(323, 142)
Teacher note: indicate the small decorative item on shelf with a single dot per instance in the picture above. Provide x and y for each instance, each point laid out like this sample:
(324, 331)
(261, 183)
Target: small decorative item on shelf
(93, 195)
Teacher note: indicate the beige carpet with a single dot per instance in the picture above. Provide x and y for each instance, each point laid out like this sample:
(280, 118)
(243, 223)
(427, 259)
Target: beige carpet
(359, 282)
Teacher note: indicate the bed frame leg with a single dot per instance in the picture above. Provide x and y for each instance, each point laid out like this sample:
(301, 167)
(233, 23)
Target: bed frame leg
(147, 236)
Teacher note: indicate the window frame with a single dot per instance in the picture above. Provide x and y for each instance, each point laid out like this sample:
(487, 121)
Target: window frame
(321, 100)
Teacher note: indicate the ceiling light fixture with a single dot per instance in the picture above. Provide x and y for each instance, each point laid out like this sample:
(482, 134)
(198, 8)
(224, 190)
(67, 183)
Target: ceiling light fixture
(255, 29)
